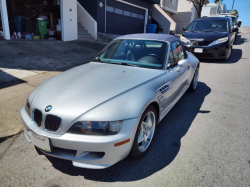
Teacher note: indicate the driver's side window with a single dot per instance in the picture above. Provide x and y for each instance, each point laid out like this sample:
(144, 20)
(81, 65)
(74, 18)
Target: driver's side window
(171, 60)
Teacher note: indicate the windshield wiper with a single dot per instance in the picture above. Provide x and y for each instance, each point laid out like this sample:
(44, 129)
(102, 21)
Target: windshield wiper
(123, 63)
(99, 60)
(214, 31)
(126, 64)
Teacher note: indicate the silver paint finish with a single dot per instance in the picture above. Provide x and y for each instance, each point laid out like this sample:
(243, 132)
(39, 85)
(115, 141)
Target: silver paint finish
(106, 92)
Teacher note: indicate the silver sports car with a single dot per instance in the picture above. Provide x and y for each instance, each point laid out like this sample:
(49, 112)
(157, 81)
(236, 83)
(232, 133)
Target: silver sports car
(99, 113)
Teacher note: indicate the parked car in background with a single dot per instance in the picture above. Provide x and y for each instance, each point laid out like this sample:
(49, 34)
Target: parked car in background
(234, 20)
(210, 37)
(239, 22)
(98, 113)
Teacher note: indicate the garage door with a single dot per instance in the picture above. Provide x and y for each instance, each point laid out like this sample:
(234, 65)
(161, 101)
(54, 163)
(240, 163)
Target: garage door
(123, 18)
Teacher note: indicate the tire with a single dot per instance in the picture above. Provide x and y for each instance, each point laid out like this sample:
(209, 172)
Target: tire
(228, 57)
(235, 38)
(139, 149)
(194, 82)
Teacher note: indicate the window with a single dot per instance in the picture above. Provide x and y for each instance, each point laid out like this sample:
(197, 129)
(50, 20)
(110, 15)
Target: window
(171, 60)
(134, 15)
(141, 16)
(118, 11)
(109, 9)
(174, 2)
(126, 13)
(213, 10)
(178, 53)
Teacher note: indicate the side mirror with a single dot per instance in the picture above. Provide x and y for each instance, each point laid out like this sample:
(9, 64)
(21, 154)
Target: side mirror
(184, 29)
(183, 63)
(235, 30)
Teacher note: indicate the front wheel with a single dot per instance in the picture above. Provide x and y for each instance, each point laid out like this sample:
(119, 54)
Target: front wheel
(229, 53)
(235, 38)
(194, 82)
(145, 133)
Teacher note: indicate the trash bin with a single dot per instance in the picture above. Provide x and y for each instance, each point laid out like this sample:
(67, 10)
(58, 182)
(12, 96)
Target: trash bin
(41, 27)
(151, 28)
(18, 23)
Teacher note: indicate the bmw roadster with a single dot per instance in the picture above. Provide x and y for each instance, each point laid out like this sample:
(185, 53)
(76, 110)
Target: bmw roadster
(99, 113)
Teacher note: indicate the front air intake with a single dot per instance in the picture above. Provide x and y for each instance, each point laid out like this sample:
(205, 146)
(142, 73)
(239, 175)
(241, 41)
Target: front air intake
(52, 123)
(38, 117)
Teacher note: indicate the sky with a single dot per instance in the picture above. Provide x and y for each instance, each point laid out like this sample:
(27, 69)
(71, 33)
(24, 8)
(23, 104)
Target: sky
(243, 7)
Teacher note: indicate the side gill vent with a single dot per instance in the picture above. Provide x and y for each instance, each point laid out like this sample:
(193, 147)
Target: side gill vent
(164, 88)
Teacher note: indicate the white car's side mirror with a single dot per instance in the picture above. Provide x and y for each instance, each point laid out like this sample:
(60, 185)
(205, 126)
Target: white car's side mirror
(183, 63)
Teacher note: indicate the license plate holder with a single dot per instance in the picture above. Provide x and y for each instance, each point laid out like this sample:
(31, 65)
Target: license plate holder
(198, 50)
(40, 141)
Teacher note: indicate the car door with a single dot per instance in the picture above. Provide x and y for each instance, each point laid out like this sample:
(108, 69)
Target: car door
(231, 34)
(179, 75)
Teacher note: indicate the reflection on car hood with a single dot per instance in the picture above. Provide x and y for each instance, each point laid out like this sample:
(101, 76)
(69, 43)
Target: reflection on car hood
(208, 36)
(78, 90)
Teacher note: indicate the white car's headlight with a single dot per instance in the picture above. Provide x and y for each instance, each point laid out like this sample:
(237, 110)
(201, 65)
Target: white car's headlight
(96, 128)
(185, 40)
(219, 41)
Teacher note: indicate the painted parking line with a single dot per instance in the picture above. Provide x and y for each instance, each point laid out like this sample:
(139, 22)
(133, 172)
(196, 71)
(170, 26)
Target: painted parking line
(244, 31)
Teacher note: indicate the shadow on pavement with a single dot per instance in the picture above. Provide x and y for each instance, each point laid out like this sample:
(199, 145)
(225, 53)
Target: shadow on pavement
(235, 57)
(39, 56)
(240, 40)
(166, 144)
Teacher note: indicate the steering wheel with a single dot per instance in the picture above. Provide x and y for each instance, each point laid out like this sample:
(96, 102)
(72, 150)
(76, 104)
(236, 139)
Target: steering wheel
(156, 56)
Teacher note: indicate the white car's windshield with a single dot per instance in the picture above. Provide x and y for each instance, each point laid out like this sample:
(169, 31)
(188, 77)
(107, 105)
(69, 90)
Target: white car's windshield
(208, 26)
(142, 53)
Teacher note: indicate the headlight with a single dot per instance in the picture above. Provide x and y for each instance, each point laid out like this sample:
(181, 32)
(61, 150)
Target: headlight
(27, 107)
(219, 41)
(185, 40)
(96, 128)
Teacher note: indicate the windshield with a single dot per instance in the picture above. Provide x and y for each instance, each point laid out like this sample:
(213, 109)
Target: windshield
(141, 53)
(208, 26)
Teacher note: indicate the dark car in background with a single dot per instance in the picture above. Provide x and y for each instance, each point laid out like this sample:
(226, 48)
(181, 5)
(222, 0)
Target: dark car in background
(210, 37)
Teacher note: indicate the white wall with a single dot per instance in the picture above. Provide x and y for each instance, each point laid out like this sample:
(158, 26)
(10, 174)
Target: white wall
(5, 21)
(183, 16)
(86, 20)
(205, 11)
(69, 20)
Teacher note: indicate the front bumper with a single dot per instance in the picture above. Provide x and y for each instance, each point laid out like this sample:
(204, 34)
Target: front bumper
(218, 51)
(95, 152)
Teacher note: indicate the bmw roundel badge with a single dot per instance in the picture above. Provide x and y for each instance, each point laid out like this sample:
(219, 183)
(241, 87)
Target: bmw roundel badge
(48, 108)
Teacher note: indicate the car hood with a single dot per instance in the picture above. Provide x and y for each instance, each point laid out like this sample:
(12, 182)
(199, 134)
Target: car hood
(80, 89)
(205, 36)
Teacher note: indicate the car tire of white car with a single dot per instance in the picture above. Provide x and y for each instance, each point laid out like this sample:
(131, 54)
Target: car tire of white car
(145, 133)
(194, 82)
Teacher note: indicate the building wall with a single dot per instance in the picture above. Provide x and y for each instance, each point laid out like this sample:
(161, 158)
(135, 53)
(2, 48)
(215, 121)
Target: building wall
(69, 20)
(205, 11)
(185, 14)
(169, 5)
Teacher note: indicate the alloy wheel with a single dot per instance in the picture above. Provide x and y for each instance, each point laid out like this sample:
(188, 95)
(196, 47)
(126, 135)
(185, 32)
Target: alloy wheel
(147, 129)
(196, 77)
(229, 53)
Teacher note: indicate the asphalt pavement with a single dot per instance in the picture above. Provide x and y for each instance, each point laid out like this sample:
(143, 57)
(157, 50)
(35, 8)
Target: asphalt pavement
(203, 141)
